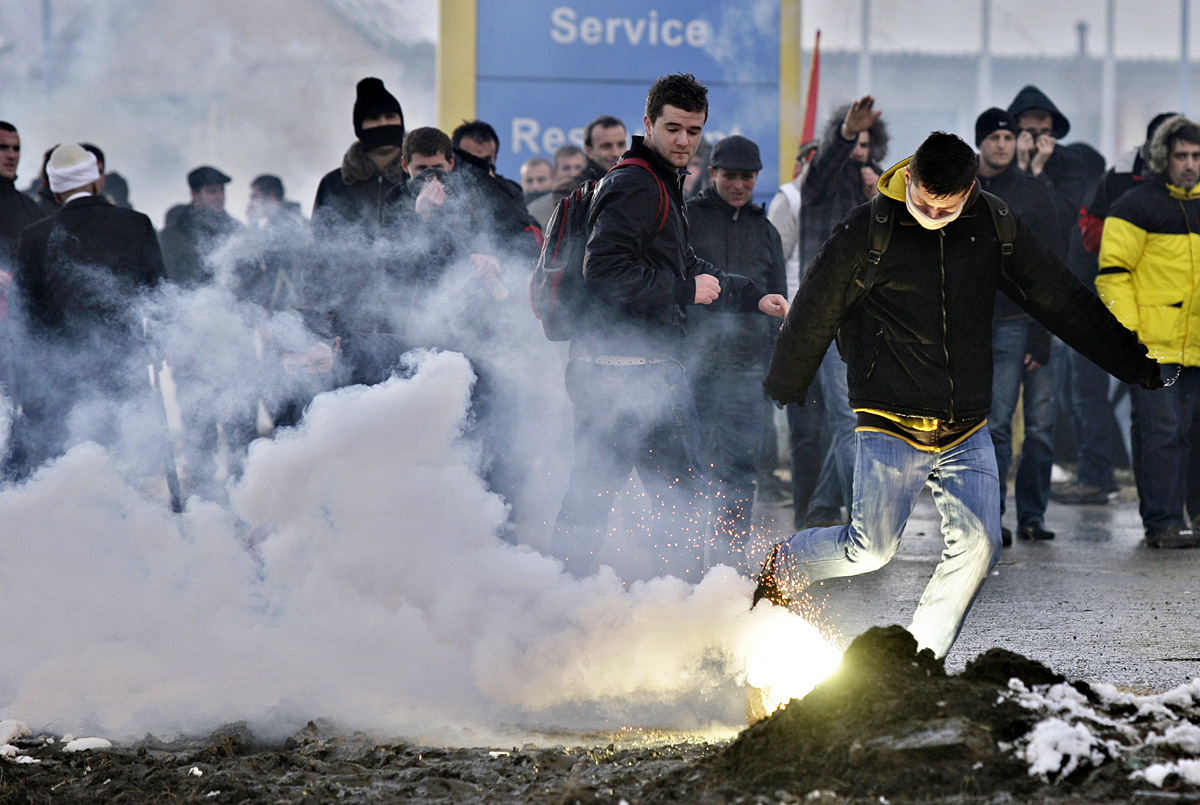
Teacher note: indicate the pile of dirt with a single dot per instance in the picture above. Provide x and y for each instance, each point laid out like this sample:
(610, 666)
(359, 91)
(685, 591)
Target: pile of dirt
(891, 725)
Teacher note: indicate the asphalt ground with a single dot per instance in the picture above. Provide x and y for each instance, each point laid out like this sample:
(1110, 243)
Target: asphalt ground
(1094, 604)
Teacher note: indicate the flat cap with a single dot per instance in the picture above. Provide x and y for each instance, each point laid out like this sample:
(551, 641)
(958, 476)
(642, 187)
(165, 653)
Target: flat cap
(205, 175)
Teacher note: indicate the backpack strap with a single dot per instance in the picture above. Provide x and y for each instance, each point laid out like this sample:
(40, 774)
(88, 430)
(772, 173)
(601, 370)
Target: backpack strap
(663, 205)
(879, 234)
(1005, 222)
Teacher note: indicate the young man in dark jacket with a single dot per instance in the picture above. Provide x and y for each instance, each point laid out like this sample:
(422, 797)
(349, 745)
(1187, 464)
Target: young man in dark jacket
(1020, 346)
(193, 231)
(726, 355)
(918, 347)
(354, 196)
(633, 404)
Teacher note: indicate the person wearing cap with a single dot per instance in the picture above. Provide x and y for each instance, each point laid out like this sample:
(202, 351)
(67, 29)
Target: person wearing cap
(78, 272)
(1020, 346)
(193, 230)
(355, 194)
(725, 354)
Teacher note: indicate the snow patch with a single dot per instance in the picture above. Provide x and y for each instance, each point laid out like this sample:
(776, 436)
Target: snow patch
(87, 744)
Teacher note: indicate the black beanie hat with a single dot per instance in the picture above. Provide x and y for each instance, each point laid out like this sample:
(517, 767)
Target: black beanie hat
(373, 99)
(991, 120)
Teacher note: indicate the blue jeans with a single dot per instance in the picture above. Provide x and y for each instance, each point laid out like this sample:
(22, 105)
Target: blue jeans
(629, 417)
(835, 485)
(1162, 422)
(888, 476)
(1009, 346)
(731, 407)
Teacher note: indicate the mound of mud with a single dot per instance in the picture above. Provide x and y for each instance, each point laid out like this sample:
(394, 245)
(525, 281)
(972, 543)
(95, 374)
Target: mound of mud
(891, 724)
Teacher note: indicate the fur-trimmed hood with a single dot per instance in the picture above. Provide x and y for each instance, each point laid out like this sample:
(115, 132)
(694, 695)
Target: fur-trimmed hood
(358, 167)
(879, 133)
(1156, 158)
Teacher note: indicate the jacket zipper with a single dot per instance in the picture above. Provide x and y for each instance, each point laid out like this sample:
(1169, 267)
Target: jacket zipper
(945, 348)
(379, 200)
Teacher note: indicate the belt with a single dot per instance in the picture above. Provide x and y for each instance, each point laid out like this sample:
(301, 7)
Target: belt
(618, 360)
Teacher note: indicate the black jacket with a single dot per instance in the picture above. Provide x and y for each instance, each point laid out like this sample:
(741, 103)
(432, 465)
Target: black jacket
(355, 195)
(1033, 202)
(81, 267)
(919, 343)
(640, 278)
(188, 237)
(17, 211)
(743, 240)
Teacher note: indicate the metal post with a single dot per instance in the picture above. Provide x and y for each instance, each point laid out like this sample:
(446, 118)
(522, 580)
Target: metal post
(864, 51)
(1184, 64)
(48, 64)
(1108, 85)
(983, 77)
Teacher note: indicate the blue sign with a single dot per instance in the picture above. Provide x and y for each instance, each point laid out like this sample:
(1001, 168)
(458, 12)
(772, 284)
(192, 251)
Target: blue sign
(544, 69)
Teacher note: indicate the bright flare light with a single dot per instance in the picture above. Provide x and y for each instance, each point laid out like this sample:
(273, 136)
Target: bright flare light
(786, 657)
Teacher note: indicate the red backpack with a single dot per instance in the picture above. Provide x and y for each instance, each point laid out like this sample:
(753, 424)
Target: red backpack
(556, 289)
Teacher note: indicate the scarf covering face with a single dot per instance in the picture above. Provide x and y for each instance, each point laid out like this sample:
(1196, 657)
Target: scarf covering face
(381, 136)
(924, 220)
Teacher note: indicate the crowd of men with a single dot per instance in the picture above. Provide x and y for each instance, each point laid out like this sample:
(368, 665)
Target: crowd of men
(893, 354)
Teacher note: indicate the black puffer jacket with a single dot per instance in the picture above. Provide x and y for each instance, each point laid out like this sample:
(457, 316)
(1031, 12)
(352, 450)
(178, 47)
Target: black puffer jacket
(189, 236)
(640, 277)
(919, 343)
(742, 239)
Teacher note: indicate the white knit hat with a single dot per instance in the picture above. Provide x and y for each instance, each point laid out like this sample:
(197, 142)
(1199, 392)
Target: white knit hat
(71, 166)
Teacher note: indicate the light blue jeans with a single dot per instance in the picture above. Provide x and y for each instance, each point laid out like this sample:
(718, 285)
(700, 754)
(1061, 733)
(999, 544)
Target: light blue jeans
(888, 476)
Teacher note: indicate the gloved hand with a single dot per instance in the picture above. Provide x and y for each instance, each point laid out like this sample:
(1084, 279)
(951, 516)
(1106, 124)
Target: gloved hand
(1149, 377)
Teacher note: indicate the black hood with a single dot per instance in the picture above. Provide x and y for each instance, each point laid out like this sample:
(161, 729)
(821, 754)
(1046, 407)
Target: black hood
(1030, 97)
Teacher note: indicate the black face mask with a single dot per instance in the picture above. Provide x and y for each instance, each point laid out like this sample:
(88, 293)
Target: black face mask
(429, 174)
(382, 136)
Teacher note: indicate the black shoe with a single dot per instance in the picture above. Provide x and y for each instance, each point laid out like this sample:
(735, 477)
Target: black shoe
(1005, 536)
(1173, 536)
(1034, 533)
(768, 585)
(1078, 494)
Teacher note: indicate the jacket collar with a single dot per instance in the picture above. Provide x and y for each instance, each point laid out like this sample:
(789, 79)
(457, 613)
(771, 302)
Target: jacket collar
(358, 167)
(1183, 195)
(640, 150)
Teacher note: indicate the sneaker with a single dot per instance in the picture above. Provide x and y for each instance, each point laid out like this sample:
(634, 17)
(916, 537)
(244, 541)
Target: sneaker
(768, 585)
(1078, 494)
(1033, 532)
(1173, 536)
(1005, 536)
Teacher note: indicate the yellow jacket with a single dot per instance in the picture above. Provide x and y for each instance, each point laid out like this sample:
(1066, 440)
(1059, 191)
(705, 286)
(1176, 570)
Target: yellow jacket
(1150, 269)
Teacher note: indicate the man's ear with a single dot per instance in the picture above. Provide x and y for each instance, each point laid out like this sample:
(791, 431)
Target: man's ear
(452, 162)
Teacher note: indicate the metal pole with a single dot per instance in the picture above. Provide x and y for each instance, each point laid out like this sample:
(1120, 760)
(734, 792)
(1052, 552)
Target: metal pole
(48, 64)
(1108, 85)
(864, 51)
(1184, 65)
(983, 83)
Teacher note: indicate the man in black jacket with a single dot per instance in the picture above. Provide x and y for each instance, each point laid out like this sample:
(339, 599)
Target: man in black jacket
(726, 355)
(633, 404)
(354, 196)
(79, 272)
(1020, 346)
(193, 231)
(916, 336)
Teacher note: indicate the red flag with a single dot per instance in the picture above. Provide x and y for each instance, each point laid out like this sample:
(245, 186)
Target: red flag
(810, 102)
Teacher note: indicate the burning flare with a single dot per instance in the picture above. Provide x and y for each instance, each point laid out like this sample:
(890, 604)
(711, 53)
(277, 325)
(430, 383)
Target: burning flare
(786, 657)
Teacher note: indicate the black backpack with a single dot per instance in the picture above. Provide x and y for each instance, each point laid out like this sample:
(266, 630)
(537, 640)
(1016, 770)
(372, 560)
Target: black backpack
(556, 289)
(879, 232)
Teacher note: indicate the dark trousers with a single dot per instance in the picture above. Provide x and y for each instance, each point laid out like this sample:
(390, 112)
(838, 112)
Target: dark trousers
(634, 417)
(1162, 421)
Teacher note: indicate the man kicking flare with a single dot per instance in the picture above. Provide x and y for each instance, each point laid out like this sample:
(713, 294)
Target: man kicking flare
(915, 330)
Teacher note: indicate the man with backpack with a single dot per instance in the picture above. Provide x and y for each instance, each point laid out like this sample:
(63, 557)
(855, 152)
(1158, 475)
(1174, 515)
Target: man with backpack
(632, 403)
(907, 284)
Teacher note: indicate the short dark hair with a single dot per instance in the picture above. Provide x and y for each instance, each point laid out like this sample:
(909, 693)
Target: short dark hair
(95, 151)
(944, 165)
(269, 185)
(567, 150)
(475, 130)
(1189, 132)
(6, 126)
(602, 122)
(427, 141)
(680, 90)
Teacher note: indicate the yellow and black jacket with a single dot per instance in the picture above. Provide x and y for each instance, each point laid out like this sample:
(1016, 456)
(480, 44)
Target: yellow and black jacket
(1150, 269)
